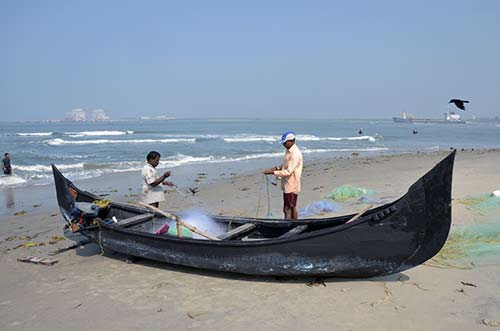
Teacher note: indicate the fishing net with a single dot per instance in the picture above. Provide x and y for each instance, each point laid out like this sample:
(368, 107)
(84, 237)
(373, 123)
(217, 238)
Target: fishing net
(185, 232)
(346, 192)
(318, 208)
(370, 200)
(483, 204)
(471, 245)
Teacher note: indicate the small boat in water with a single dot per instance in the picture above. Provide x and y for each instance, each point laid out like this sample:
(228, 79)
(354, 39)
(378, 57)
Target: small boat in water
(384, 240)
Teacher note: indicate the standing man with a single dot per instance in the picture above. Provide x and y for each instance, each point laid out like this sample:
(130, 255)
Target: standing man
(152, 192)
(290, 173)
(6, 168)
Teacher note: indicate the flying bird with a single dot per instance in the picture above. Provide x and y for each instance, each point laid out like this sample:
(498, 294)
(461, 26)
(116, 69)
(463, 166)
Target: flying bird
(459, 103)
(194, 190)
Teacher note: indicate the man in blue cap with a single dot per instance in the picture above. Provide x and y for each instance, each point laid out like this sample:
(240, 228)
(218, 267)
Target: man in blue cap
(290, 173)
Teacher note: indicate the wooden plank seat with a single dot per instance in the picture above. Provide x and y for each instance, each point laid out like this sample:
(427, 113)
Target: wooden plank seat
(135, 219)
(237, 231)
(296, 230)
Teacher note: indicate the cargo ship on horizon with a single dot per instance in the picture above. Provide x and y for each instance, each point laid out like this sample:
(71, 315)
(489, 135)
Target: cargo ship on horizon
(449, 118)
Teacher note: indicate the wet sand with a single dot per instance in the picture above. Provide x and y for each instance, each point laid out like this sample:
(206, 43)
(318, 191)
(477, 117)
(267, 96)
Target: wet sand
(87, 291)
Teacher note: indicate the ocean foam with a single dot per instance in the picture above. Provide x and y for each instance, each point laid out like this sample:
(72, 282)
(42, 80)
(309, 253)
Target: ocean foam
(48, 168)
(324, 150)
(34, 134)
(186, 159)
(315, 138)
(97, 133)
(250, 139)
(58, 141)
(11, 180)
(42, 173)
(369, 138)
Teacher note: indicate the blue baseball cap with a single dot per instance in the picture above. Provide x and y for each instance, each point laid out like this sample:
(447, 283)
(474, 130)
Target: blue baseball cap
(288, 135)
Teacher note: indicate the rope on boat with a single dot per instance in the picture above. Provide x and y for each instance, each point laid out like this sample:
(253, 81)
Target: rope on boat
(102, 204)
(269, 213)
(99, 240)
(259, 200)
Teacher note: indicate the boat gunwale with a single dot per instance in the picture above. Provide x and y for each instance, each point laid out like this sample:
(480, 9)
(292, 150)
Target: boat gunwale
(240, 243)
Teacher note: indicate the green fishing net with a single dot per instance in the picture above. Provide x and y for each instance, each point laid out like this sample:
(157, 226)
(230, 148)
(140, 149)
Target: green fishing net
(185, 232)
(464, 247)
(483, 204)
(346, 192)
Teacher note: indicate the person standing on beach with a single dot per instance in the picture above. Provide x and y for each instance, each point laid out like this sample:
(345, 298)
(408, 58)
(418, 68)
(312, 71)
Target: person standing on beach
(290, 173)
(6, 167)
(152, 192)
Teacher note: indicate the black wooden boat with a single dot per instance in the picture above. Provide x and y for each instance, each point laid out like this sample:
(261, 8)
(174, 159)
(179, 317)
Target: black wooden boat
(385, 240)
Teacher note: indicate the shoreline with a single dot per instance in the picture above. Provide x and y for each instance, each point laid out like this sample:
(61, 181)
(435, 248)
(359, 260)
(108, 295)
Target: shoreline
(125, 186)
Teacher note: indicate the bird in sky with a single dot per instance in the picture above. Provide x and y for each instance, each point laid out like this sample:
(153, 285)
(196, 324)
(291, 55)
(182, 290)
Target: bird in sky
(459, 103)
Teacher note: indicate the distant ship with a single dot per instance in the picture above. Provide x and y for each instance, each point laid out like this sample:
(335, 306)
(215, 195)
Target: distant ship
(157, 118)
(450, 117)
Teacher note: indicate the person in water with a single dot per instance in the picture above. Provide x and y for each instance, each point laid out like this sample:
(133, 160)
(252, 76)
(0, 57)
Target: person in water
(6, 167)
(360, 131)
(290, 173)
(152, 190)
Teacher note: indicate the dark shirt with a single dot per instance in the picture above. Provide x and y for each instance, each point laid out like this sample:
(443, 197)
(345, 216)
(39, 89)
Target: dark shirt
(6, 165)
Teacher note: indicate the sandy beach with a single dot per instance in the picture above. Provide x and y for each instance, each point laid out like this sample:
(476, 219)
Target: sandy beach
(87, 290)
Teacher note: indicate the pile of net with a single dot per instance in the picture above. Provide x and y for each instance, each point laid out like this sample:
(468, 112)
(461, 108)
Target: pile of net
(318, 208)
(483, 204)
(346, 192)
(469, 246)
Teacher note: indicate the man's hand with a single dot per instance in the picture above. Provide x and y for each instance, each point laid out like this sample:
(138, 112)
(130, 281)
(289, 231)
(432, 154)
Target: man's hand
(270, 171)
(166, 174)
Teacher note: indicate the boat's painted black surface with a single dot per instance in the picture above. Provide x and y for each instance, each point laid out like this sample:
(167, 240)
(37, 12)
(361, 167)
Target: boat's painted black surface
(386, 240)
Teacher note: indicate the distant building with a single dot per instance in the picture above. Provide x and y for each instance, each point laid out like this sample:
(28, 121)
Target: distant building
(78, 115)
(100, 115)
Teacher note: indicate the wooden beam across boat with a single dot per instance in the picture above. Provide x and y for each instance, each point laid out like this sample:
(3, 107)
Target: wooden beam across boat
(296, 230)
(135, 219)
(237, 231)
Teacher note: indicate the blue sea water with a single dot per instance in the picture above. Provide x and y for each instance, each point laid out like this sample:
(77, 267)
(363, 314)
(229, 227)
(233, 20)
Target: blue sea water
(91, 149)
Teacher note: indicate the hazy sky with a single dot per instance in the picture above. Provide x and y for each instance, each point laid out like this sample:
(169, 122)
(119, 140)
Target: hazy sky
(259, 59)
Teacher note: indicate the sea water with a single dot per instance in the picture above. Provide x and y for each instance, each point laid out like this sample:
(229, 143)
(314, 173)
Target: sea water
(93, 149)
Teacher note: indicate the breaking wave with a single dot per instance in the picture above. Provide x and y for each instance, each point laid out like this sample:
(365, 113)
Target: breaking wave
(368, 149)
(34, 134)
(314, 138)
(48, 168)
(42, 173)
(59, 141)
(97, 133)
(11, 181)
(252, 138)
